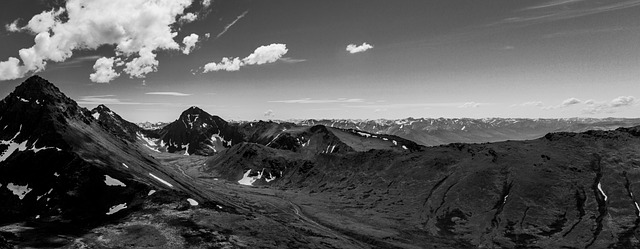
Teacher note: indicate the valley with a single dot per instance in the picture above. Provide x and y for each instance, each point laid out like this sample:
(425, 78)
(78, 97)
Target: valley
(77, 178)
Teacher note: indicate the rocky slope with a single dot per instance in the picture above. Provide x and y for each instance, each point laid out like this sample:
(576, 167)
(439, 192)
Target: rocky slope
(565, 190)
(115, 124)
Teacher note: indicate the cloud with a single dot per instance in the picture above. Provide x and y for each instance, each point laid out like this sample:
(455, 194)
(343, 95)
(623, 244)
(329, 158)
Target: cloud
(352, 48)
(570, 102)
(189, 17)
(622, 101)
(189, 43)
(226, 28)
(177, 94)
(113, 100)
(206, 3)
(104, 72)
(269, 114)
(566, 9)
(266, 54)
(291, 60)
(566, 103)
(101, 99)
(317, 101)
(594, 107)
(226, 64)
(207, 35)
(136, 29)
(13, 26)
(530, 103)
(262, 55)
(470, 105)
(10, 69)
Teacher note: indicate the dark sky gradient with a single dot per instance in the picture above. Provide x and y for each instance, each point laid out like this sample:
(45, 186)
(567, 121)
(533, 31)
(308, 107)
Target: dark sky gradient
(444, 58)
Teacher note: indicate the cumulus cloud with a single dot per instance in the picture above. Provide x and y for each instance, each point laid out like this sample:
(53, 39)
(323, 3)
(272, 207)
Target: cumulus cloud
(622, 101)
(104, 72)
(570, 102)
(353, 48)
(227, 64)
(177, 94)
(10, 69)
(189, 17)
(206, 3)
(13, 26)
(594, 107)
(189, 43)
(470, 105)
(566, 103)
(137, 29)
(262, 55)
(266, 54)
(269, 113)
(226, 28)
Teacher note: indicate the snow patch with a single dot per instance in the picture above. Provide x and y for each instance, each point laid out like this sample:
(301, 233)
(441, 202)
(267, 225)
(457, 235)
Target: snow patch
(186, 151)
(153, 149)
(13, 146)
(110, 181)
(249, 180)
(192, 202)
(162, 181)
(151, 192)
(96, 115)
(116, 208)
(23, 100)
(56, 174)
(19, 191)
(602, 192)
(271, 178)
(394, 142)
(39, 197)
(405, 147)
(123, 164)
(364, 134)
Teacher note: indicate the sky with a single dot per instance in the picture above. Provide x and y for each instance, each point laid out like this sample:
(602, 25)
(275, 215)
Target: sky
(148, 60)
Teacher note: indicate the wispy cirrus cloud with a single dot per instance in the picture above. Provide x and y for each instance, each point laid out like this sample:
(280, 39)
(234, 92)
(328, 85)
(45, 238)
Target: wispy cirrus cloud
(226, 28)
(555, 10)
(177, 94)
(291, 60)
(529, 104)
(419, 105)
(104, 99)
(317, 101)
(470, 105)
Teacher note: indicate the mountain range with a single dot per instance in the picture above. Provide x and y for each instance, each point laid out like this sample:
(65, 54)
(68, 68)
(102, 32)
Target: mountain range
(77, 178)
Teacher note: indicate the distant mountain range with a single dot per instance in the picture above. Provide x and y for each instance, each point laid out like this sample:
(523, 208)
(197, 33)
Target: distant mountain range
(438, 131)
(77, 178)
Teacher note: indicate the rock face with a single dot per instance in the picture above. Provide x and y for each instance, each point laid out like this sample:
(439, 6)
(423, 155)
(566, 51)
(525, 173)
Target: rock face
(437, 131)
(574, 190)
(115, 124)
(58, 162)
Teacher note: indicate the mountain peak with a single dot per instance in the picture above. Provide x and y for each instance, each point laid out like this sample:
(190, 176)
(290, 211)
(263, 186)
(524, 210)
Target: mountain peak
(35, 87)
(194, 110)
